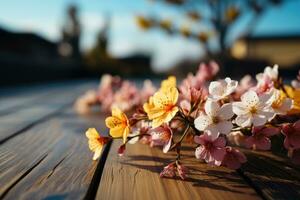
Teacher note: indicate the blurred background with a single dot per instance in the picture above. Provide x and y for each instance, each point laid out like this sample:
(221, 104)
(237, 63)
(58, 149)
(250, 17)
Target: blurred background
(70, 39)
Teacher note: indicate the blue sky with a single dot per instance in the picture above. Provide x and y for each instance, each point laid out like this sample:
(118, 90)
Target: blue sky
(46, 18)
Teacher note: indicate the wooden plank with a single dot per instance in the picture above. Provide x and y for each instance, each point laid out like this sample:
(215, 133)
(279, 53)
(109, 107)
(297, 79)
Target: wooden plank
(136, 176)
(15, 122)
(275, 177)
(50, 160)
(15, 98)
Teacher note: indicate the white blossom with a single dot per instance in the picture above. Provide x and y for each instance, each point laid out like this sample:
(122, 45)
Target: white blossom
(269, 72)
(222, 88)
(216, 119)
(253, 109)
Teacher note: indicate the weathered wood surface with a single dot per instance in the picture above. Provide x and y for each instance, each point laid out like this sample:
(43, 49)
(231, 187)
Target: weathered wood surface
(14, 98)
(274, 177)
(38, 109)
(136, 176)
(51, 160)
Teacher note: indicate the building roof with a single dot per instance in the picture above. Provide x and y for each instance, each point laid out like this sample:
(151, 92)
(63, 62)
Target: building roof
(293, 36)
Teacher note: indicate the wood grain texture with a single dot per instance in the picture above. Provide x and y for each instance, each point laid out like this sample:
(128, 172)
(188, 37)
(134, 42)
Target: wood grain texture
(15, 98)
(15, 122)
(136, 176)
(275, 177)
(50, 160)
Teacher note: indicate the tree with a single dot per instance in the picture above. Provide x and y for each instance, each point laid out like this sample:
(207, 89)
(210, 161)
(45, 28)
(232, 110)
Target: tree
(218, 16)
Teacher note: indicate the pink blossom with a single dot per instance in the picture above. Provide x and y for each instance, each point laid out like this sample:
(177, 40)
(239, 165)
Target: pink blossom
(168, 171)
(292, 135)
(110, 81)
(233, 158)
(264, 86)
(260, 138)
(266, 79)
(212, 151)
(162, 136)
(245, 84)
(106, 98)
(106, 90)
(185, 106)
(143, 129)
(192, 94)
(207, 71)
(185, 90)
(182, 170)
(148, 90)
(127, 96)
(83, 104)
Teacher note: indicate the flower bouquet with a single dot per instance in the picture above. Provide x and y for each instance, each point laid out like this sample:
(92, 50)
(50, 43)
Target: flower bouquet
(217, 116)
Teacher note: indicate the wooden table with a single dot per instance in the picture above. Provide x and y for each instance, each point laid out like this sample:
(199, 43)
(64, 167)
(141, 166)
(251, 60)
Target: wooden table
(44, 155)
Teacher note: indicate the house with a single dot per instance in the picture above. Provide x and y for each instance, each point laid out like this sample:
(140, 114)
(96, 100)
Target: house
(280, 49)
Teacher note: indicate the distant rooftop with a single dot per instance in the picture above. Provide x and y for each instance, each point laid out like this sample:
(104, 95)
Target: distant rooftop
(284, 36)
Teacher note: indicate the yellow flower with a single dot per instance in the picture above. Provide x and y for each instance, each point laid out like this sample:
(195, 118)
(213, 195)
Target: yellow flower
(96, 142)
(294, 94)
(161, 108)
(149, 106)
(118, 124)
(168, 83)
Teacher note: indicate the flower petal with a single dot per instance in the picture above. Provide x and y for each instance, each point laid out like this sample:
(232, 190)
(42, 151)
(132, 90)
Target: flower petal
(217, 88)
(200, 152)
(250, 98)
(174, 95)
(224, 127)
(116, 131)
(165, 97)
(97, 153)
(116, 112)
(167, 146)
(92, 133)
(243, 120)
(112, 122)
(211, 107)
(239, 108)
(220, 142)
(225, 112)
(270, 131)
(199, 139)
(218, 154)
(213, 131)
(259, 120)
(202, 122)
(231, 85)
(268, 114)
(94, 144)
(248, 142)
